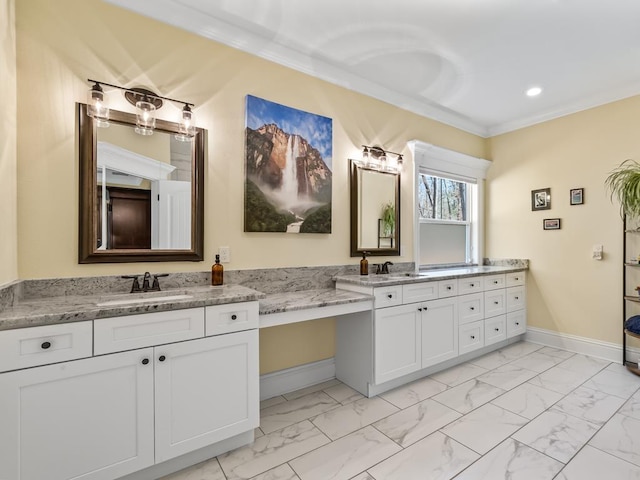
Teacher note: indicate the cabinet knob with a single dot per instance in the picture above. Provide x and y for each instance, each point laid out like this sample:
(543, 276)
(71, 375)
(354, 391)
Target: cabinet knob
(517, 323)
(145, 361)
(234, 317)
(517, 279)
(472, 285)
(516, 298)
(496, 303)
(45, 345)
(390, 295)
(162, 358)
(495, 282)
(419, 309)
(472, 308)
(448, 287)
(473, 337)
(497, 329)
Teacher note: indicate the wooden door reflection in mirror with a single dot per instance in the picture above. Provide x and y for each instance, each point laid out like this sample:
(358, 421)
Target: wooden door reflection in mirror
(375, 211)
(141, 197)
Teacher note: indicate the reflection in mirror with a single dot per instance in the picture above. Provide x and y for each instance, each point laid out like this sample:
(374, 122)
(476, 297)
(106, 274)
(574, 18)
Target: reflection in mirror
(375, 211)
(144, 202)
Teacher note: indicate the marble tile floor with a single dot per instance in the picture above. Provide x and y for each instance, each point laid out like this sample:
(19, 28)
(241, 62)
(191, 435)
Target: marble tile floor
(525, 412)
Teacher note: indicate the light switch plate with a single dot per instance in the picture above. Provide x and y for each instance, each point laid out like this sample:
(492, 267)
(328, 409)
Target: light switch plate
(225, 254)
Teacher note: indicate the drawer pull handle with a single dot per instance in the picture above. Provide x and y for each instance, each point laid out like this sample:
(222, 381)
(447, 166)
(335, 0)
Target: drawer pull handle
(419, 309)
(449, 287)
(517, 298)
(145, 361)
(162, 358)
(45, 345)
(497, 329)
(234, 317)
(496, 303)
(517, 323)
(495, 282)
(473, 337)
(472, 308)
(517, 279)
(473, 284)
(390, 295)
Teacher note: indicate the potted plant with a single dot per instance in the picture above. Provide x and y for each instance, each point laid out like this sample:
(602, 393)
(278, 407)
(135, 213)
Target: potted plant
(388, 217)
(624, 184)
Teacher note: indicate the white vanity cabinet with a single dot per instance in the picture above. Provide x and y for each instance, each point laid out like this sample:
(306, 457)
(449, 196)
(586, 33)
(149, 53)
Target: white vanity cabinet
(418, 326)
(152, 392)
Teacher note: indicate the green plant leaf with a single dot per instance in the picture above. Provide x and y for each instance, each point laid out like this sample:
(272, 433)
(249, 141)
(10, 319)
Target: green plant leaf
(624, 184)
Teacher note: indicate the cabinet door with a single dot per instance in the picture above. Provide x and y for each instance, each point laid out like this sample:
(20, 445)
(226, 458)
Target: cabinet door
(397, 342)
(87, 419)
(206, 391)
(439, 331)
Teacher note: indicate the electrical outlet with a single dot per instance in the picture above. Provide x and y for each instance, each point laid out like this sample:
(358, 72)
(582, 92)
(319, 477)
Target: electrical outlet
(225, 254)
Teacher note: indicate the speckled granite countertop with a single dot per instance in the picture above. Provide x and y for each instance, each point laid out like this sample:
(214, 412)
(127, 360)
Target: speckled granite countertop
(427, 276)
(76, 308)
(302, 300)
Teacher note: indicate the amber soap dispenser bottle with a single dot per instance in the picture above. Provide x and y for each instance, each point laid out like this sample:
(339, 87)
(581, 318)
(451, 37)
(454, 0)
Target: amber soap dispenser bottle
(217, 272)
(364, 264)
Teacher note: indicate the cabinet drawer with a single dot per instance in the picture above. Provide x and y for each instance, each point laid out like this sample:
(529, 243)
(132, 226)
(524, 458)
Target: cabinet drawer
(494, 303)
(515, 279)
(469, 285)
(147, 329)
(387, 296)
(470, 337)
(232, 317)
(516, 298)
(470, 308)
(447, 288)
(495, 329)
(516, 323)
(30, 347)
(419, 292)
(492, 282)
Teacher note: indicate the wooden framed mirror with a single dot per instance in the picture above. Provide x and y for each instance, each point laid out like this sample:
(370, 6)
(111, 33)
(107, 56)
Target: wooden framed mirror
(141, 197)
(375, 211)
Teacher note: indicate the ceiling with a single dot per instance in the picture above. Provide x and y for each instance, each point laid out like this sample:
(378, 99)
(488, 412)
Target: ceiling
(466, 63)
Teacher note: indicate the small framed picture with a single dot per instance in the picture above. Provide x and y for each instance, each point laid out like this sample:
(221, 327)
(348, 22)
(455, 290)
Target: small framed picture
(551, 224)
(576, 196)
(541, 199)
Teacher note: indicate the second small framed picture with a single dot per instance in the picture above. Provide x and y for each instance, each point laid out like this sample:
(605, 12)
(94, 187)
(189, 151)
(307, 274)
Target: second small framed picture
(551, 224)
(576, 196)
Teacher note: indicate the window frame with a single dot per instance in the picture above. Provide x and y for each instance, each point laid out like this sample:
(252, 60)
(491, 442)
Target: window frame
(440, 162)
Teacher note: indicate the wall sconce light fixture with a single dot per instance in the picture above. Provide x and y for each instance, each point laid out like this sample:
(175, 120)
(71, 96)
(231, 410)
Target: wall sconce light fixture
(146, 103)
(376, 158)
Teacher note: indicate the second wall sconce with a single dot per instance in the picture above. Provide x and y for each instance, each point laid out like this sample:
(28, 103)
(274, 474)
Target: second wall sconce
(376, 158)
(146, 103)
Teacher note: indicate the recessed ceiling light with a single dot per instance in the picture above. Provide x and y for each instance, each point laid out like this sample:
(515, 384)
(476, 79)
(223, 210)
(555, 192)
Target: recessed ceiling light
(534, 91)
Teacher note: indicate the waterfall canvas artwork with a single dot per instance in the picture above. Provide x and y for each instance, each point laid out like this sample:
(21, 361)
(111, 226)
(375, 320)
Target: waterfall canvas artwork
(288, 169)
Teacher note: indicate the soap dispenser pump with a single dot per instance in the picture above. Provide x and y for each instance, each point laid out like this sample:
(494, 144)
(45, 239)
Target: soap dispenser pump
(217, 272)
(364, 264)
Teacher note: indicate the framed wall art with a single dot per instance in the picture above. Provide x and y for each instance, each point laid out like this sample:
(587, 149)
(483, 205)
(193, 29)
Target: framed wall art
(288, 155)
(541, 199)
(576, 196)
(551, 224)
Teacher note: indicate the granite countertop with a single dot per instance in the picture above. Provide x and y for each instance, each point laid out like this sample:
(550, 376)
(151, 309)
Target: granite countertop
(76, 308)
(302, 300)
(381, 280)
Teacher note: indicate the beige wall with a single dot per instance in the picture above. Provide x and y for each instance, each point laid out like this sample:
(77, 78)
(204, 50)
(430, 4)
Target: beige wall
(568, 291)
(8, 166)
(61, 44)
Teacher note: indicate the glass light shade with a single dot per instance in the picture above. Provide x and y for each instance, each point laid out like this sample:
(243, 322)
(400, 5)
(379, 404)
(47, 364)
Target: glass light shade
(186, 127)
(96, 106)
(145, 117)
(365, 156)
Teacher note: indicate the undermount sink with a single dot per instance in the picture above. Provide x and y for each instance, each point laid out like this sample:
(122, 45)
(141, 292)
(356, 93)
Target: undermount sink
(403, 276)
(133, 301)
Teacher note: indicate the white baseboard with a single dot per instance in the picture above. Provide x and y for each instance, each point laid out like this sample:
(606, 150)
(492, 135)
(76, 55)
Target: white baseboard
(586, 346)
(295, 378)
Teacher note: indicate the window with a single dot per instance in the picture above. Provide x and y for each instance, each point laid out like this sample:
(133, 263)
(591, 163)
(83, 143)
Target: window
(448, 201)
